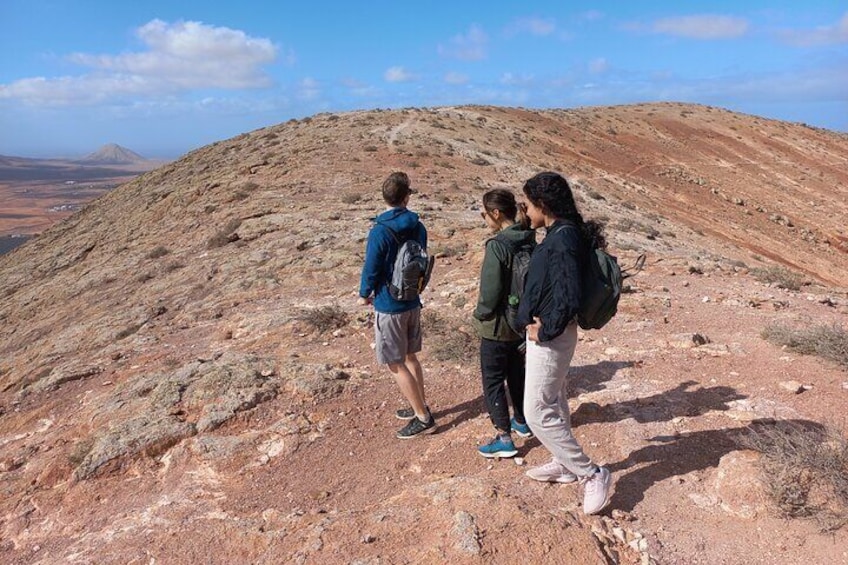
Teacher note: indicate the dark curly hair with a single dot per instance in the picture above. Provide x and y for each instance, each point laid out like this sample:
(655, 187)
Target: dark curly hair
(552, 193)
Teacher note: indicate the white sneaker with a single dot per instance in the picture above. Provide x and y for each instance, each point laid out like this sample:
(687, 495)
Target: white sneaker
(552, 472)
(596, 494)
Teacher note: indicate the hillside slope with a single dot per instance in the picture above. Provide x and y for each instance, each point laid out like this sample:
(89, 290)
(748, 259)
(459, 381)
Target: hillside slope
(184, 374)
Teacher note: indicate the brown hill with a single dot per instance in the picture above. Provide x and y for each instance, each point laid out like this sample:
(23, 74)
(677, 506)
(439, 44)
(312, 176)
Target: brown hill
(185, 376)
(113, 154)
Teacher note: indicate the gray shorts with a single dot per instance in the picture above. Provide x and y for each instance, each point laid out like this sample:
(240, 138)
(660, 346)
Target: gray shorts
(397, 335)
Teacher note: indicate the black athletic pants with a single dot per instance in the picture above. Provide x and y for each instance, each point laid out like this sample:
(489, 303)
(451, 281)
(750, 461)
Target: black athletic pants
(501, 361)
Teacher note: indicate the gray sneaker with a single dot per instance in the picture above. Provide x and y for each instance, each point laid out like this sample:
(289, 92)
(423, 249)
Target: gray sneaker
(416, 427)
(596, 495)
(406, 413)
(552, 472)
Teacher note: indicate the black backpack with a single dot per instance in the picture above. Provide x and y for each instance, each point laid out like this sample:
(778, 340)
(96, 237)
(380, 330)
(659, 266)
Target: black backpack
(519, 265)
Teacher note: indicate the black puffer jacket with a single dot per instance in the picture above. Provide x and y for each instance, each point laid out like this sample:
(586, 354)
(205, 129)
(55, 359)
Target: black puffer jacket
(553, 287)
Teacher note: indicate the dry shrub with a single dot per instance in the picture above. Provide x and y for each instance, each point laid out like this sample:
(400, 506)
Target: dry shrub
(828, 342)
(79, 451)
(450, 250)
(225, 235)
(780, 277)
(127, 332)
(804, 470)
(324, 318)
(443, 340)
(158, 251)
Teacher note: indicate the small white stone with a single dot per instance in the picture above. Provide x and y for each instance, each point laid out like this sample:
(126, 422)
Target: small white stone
(792, 386)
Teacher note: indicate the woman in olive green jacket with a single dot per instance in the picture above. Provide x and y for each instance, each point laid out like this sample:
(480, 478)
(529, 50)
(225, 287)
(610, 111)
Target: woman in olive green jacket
(501, 354)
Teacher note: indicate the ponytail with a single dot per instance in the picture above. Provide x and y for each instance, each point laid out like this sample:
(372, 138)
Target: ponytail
(521, 216)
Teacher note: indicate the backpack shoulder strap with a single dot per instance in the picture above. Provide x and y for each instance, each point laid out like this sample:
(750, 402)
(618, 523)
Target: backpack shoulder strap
(512, 246)
(635, 269)
(392, 232)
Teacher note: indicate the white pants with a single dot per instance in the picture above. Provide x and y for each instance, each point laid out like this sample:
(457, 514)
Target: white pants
(546, 400)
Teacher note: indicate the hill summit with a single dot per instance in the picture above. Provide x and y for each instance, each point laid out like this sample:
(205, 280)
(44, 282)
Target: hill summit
(113, 154)
(186, 375)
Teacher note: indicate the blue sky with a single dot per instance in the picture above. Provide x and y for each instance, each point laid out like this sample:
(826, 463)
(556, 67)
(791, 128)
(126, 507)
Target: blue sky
(165, 77)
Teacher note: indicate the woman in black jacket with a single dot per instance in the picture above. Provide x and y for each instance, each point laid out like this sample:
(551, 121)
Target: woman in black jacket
(548, 310)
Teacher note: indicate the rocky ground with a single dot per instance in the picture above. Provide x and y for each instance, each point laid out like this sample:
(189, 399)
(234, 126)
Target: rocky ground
(185, 375)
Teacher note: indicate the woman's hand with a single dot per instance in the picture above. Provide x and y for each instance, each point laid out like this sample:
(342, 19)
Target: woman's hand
(533, 330)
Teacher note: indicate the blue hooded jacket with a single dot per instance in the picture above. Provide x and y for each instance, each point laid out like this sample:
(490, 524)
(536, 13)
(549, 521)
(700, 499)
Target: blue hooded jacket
(380, 253)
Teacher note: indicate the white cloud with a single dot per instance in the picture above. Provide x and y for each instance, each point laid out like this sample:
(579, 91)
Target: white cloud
(191, 55)
(825, 35)
(592, 16)
(456, 78)
(510, 79)
(705, 26)
(598, 66)
(179, 57)
(398, 74)
(308, 89)
(470, 46)
(532, 25)
(72, 91)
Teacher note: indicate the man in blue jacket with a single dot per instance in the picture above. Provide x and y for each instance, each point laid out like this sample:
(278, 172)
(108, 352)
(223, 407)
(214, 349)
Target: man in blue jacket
(397, 325)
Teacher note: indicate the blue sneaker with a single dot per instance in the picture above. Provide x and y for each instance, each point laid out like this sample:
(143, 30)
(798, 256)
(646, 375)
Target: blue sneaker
(498, 447)
(521, 430)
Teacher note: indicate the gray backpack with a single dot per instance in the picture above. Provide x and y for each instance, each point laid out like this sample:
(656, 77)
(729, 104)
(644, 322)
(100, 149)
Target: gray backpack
(412, 269)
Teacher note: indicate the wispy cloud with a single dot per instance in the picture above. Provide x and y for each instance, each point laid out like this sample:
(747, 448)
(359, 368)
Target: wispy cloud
(398, 74)
(179, 57)
(825, 35)
(469, 46)
(531, 25)
(592, 16)
(308, 89)
(456, 78)
(511, 79)
(598, 66)
(704, 26)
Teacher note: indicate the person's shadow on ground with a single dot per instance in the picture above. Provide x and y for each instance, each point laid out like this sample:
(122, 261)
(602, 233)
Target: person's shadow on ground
(669, 456)
(464, 411)
(665, 406)
(591, 378)
(583, 378)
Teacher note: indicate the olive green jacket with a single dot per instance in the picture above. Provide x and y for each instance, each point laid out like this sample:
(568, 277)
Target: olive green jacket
(489, 319)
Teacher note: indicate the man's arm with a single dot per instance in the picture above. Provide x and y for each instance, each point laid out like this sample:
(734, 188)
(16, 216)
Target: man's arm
(372, 269)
